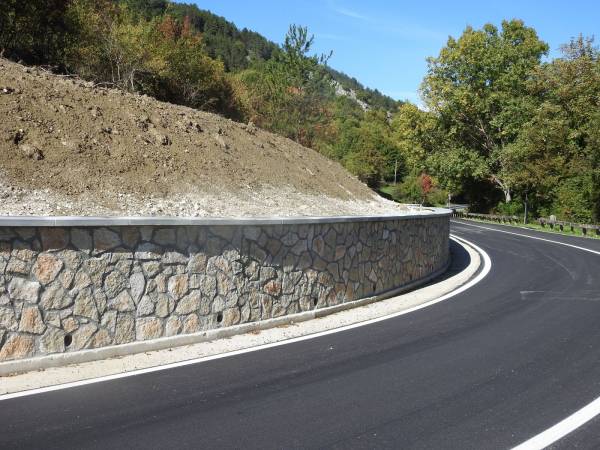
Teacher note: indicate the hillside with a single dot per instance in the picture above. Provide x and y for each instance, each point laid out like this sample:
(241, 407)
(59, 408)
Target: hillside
(237, 49)
(68, 147)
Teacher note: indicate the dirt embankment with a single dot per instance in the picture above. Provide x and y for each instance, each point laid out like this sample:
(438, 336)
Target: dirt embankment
(68, 147)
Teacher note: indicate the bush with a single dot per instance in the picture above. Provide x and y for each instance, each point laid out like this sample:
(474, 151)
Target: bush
(420, 189)
(512, 208)
(573, 200)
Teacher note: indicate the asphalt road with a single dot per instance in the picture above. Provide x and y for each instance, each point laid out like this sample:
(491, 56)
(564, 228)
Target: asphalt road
(488, 368)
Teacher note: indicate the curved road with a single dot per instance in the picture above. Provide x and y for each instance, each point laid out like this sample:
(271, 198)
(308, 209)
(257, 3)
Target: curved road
(488, 368)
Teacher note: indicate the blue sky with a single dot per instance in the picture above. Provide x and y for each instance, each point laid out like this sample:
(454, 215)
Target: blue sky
(384, 44)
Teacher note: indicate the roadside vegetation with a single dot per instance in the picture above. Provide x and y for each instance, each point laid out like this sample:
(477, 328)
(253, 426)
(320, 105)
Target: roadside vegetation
(537, 227)
(501, 123)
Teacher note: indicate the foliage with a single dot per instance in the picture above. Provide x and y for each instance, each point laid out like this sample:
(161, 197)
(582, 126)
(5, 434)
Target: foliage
(513, 208)
(477, 89)
(500, 119)
(290, 93)
(422, 189)
(36, 31)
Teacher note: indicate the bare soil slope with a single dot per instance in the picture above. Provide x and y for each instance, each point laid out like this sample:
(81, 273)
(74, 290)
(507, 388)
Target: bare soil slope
(68, 147)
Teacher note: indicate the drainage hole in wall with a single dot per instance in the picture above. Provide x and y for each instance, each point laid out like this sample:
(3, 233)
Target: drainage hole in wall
(68, 340)
(374, 287)
(315, 301)
(219, 317)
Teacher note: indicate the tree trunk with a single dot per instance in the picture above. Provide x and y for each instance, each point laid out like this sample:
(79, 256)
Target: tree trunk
(505, 188)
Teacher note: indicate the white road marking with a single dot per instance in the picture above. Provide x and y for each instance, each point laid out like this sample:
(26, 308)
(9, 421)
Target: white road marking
(487, 265)
(562, 428)
(579, 417)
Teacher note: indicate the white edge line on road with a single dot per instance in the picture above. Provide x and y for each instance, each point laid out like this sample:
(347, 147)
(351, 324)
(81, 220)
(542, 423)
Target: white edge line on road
(530, 237)
(487, 265)
(562, 428)
(579, 417)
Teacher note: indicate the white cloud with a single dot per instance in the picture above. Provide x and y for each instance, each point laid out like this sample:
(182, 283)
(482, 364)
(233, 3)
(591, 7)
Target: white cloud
(350, 13)
(396, 26)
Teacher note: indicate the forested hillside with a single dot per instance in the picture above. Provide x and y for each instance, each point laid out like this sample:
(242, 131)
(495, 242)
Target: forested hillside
(501, 124)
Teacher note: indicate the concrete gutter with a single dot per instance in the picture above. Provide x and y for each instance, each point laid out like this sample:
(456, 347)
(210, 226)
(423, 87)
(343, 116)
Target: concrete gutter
(114, 221)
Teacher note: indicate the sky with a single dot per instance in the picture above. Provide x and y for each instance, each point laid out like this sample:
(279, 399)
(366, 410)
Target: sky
(384, 44)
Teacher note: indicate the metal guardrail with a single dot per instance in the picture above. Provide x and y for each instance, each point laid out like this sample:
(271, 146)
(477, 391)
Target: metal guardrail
(585, 228)
(561, 225)
(490, 217)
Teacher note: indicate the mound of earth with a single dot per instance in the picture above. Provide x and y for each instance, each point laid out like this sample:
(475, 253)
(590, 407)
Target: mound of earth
(68, 147)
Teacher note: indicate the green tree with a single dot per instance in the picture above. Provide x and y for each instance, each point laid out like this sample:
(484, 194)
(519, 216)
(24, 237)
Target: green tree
(370, 151)
(36, 31)
(291, 93)
(477, 89)
(557, 154)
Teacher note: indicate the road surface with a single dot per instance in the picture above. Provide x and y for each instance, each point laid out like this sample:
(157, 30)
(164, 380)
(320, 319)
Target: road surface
(489, 368)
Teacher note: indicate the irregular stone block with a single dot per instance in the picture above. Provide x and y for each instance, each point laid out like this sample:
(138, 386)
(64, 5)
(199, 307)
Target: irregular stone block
(70, 324)
(21, 289)
(122, 302)
(124, 329)
(145, 307)
(173, 326)
(31, 320)
(17, 346)
(231, 317)
(114, 283)
(164, 305)
(85, 305)
(16, 266)
(8, 320)
(131, 236)
(148, 251)
(105, 239)
(82, 337)
(81, 238)
(178, 286)
(52, 341)
(137, 284)
(151, 268)
(174, 258)
(46, 268)
(54, 238)
(102, 338)
(188, 304)
(148, 328)
(197, 263)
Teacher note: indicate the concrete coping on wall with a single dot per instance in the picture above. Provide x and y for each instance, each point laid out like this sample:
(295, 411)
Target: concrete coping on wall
(115, 221)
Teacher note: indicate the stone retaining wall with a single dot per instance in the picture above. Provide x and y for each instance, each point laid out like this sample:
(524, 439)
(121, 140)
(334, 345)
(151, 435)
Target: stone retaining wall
(68, 288)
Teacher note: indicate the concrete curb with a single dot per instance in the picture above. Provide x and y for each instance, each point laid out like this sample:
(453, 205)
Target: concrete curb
(64, 359)
(66, 221)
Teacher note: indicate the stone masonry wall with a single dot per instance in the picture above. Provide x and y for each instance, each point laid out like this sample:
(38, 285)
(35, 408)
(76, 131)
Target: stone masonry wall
(73, 288)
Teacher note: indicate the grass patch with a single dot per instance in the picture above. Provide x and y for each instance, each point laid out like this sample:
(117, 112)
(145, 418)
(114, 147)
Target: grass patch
(387, 189)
